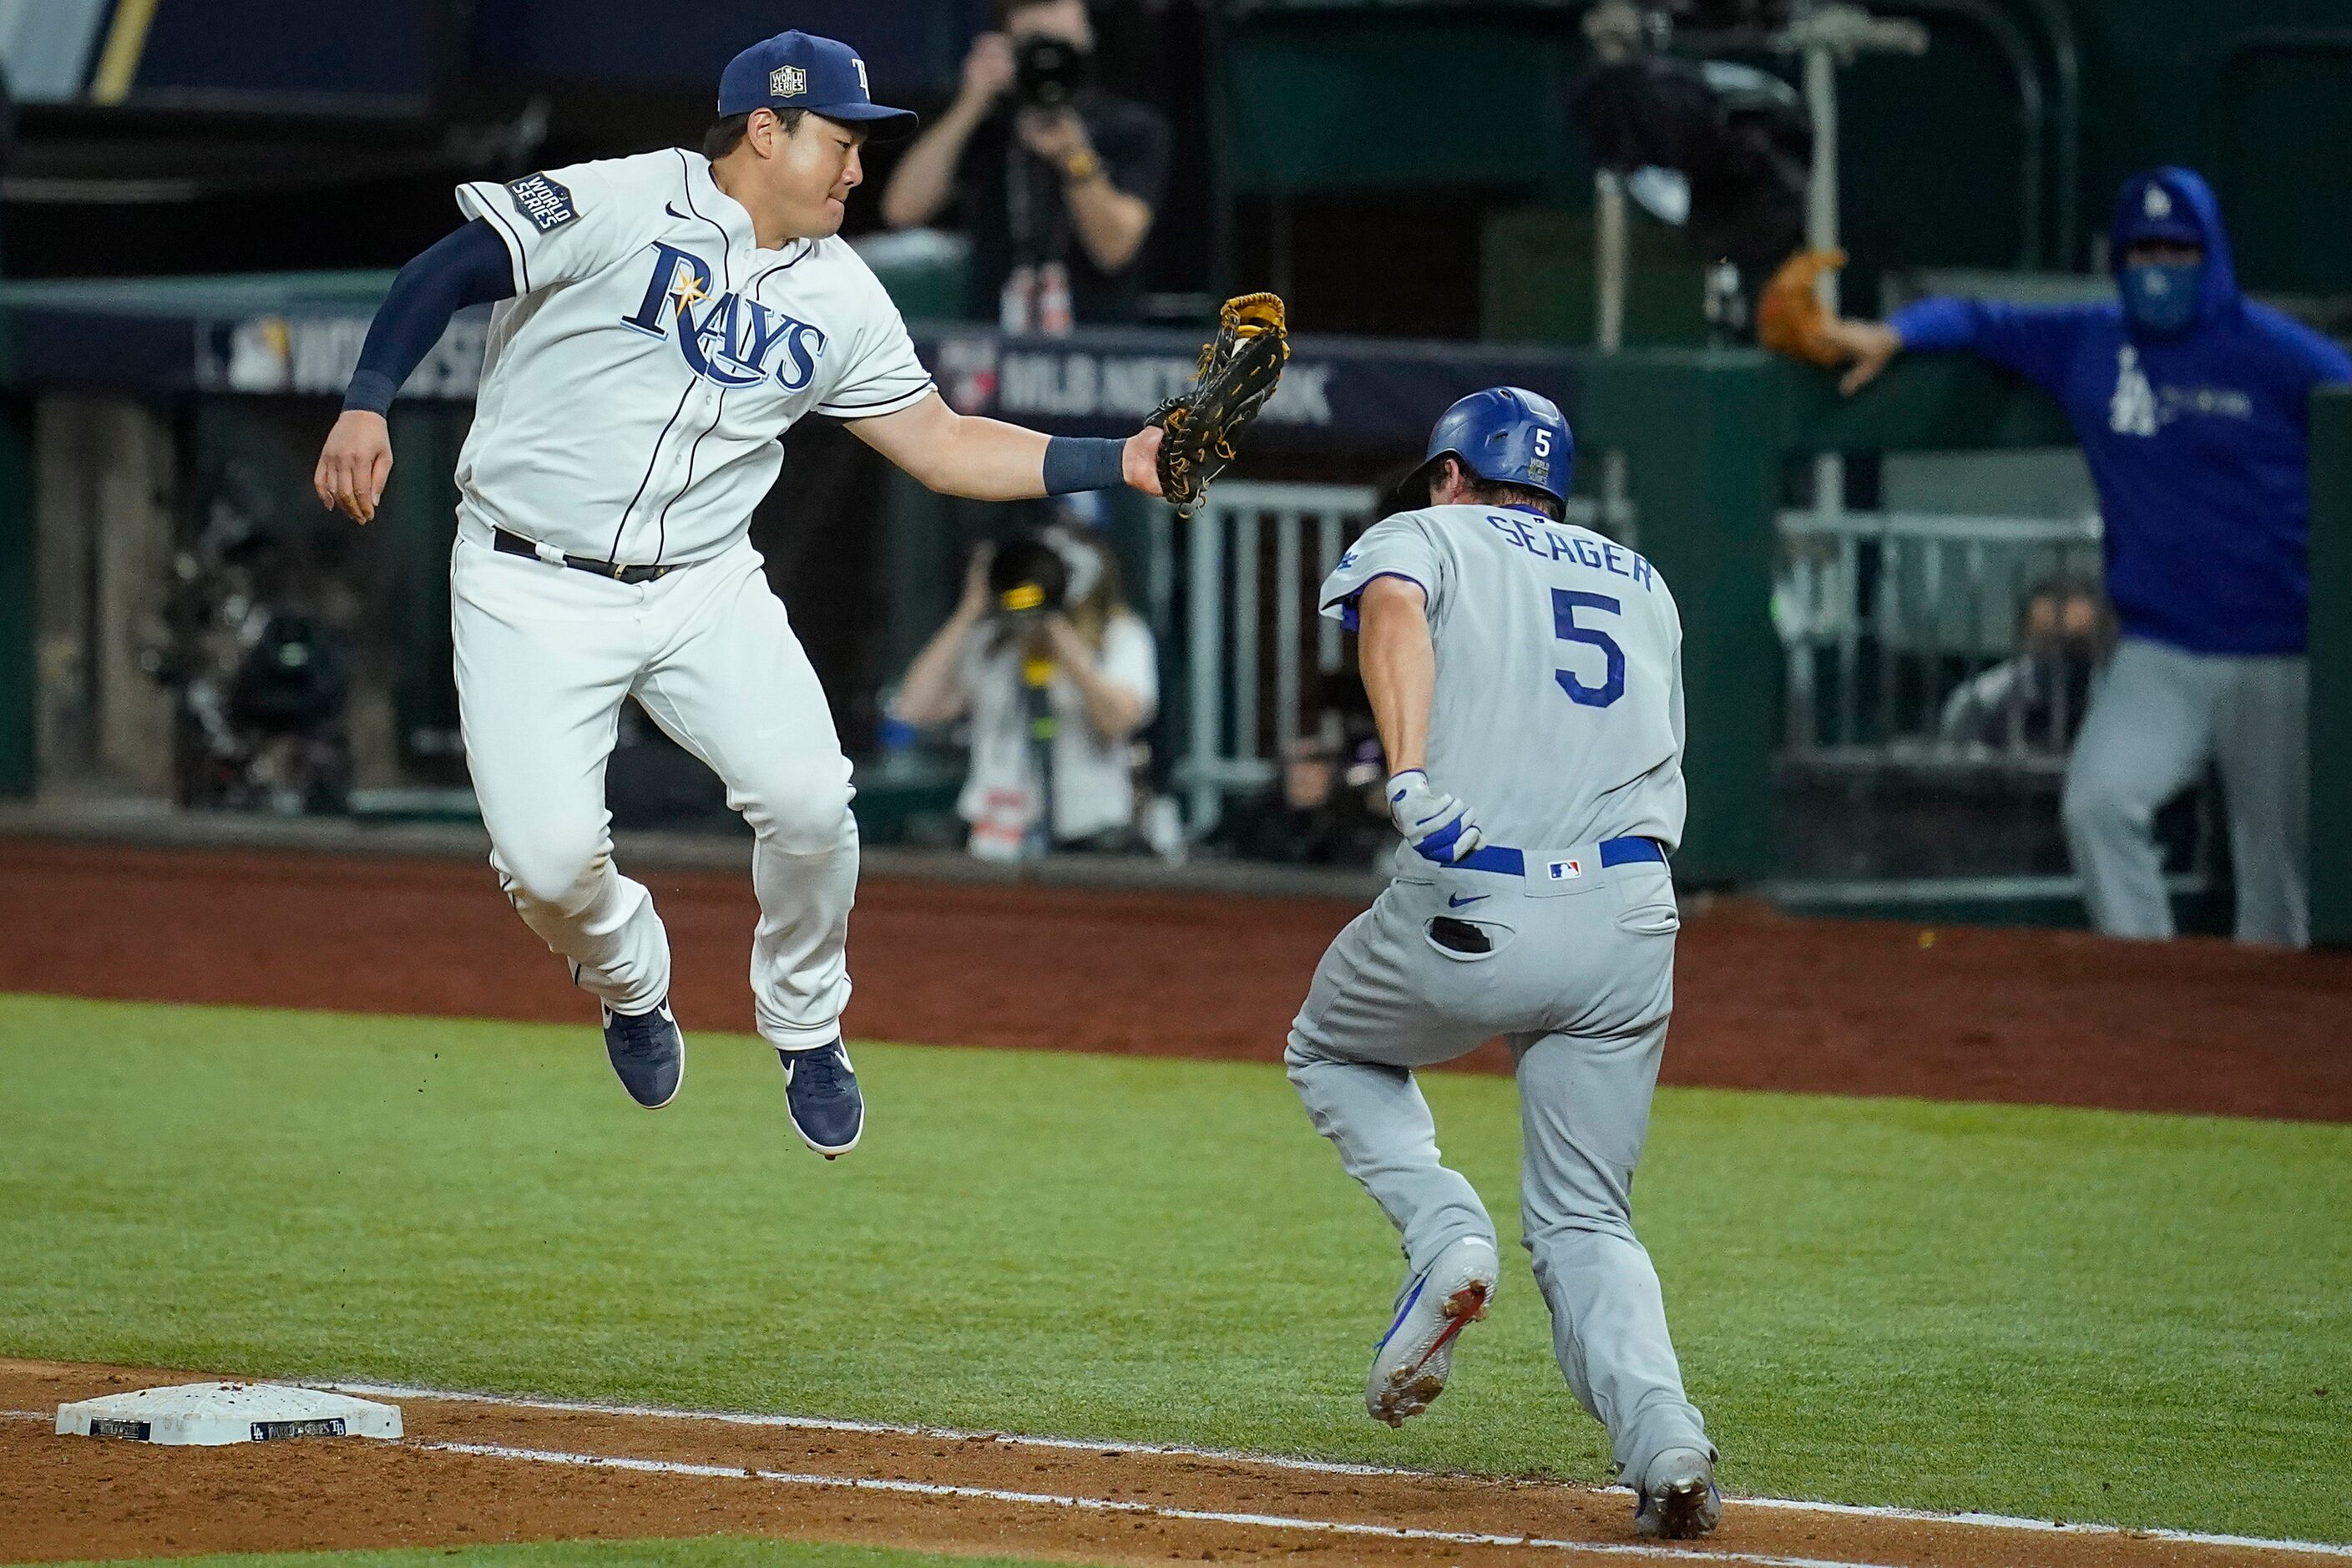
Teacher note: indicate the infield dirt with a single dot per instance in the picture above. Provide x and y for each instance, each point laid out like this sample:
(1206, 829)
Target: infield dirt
(1763, 1001)
(79, 1498)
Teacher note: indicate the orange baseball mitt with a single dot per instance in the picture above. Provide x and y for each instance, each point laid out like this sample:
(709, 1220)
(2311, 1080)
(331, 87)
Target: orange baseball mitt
(1791, 319)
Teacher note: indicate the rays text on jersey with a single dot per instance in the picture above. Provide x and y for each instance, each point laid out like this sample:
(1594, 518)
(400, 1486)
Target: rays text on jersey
(731, 341)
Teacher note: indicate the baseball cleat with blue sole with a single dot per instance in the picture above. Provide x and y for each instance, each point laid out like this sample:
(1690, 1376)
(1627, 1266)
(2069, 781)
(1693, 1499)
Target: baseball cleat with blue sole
(648, 1053)
(1416, 1355)
(821, 1095)
(1677, 1500)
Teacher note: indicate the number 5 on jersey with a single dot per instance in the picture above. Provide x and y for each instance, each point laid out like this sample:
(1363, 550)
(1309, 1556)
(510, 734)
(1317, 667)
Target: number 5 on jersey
(1565, 602)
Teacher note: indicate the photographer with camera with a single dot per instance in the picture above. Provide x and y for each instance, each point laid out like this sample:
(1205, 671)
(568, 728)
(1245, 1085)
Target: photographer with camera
(1059, 182)
(1058, 674)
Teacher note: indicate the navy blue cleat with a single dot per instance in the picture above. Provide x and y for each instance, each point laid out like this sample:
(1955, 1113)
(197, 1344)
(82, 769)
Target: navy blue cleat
(820, 1094)
(647, 1052)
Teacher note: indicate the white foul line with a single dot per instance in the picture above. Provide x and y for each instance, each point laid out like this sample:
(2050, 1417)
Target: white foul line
(1314, 1467)
(1116, 1505)
(2051, 1526)
(877, 1428)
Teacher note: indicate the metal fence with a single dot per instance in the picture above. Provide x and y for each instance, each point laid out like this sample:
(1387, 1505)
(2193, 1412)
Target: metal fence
(1255, 556)
(1915, 640)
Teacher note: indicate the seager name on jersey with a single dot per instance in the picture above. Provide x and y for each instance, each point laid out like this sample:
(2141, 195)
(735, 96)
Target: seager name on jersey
(1598, 553)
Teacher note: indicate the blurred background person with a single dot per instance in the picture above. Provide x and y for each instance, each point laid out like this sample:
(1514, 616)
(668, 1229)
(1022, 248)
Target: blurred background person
(1057, 676)
(2036, 699)
(1327, 807)
(1058, 182)
(2191, 404)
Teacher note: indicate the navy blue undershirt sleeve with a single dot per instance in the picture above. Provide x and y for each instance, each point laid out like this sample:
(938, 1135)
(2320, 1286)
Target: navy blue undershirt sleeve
(1075, 463)
(467, 268)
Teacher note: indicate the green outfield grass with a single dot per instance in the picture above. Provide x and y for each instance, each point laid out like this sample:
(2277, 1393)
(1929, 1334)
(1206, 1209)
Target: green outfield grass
(2051, 1312)
(701, 1551)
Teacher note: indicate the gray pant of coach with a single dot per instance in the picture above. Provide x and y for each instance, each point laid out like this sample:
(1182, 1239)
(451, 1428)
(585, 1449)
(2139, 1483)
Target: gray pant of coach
(1579, 982)
(2157, 715)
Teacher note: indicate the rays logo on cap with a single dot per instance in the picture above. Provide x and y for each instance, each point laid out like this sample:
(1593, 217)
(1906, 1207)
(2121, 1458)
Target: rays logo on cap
(787, 81)
(2155, 204)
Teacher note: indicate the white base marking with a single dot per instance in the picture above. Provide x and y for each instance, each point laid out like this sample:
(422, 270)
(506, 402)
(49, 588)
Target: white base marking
(1313, 1467)
(1116, 1505)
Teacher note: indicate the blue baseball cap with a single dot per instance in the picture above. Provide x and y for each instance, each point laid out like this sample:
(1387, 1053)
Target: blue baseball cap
(800, 70)
(2150, 206)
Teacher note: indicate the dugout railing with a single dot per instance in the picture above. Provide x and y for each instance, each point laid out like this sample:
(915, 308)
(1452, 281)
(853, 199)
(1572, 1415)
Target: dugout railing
(1887, 618)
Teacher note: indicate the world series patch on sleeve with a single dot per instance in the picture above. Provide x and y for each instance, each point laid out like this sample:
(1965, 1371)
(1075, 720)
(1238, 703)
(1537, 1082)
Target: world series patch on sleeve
(546, 203)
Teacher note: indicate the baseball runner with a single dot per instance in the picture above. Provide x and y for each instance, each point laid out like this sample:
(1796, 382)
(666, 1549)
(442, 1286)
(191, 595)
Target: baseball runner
(1527, 679)
(662, 319)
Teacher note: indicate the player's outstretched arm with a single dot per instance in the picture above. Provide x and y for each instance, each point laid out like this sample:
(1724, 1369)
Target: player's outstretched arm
(987, 459)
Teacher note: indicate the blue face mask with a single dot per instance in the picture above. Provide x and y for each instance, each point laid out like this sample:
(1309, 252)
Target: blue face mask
(2162, 299)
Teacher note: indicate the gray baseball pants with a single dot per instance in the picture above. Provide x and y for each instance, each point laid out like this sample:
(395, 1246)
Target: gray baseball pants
(2156, 715)
(1579, 980)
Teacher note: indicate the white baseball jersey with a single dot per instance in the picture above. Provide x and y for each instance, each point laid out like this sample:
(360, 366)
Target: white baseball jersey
(634, 389)
(1559, 709)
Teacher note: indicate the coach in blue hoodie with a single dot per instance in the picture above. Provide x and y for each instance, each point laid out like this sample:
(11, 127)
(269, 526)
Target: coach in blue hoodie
(2192, 406)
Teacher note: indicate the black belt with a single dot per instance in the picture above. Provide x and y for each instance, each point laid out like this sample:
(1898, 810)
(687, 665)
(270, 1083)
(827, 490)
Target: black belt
(516, 544)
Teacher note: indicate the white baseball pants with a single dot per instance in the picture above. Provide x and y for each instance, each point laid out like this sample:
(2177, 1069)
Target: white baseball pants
(545, 656)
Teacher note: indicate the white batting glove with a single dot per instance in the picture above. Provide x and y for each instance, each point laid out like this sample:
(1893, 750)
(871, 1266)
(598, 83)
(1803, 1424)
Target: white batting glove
(1437, 825)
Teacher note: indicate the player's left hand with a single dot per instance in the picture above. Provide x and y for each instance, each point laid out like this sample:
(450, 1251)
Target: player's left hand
(353, 465)
(1438, 826)
(1139, 464)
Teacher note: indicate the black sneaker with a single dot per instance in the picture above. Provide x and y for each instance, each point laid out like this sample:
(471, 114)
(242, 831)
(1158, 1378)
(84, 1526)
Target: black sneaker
(820, 1094)
(647, 1052)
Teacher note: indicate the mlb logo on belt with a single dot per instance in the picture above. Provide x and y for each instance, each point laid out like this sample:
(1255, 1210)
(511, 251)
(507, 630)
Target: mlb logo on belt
(1563, 870)
(787, 81)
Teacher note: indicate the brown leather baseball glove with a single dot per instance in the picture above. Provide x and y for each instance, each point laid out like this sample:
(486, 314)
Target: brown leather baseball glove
(1790, 318)
(1239, 370)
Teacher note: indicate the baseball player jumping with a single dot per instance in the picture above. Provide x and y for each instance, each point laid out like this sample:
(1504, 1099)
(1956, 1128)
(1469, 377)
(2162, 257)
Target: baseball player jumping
(1527, 679)
(663, 320)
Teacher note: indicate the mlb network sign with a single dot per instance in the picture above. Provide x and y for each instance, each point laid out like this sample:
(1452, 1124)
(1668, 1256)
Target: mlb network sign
(983, 375)
(315, 355)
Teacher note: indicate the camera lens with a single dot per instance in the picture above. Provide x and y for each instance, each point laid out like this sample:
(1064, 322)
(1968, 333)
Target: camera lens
(1027, 578)
(1049, 72)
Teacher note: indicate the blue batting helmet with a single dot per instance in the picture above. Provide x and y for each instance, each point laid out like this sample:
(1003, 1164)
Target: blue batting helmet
(1509, 435)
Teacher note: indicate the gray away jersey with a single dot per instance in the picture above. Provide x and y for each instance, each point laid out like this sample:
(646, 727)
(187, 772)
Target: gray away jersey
(1559, 709)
